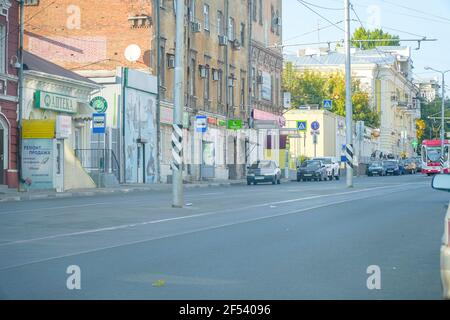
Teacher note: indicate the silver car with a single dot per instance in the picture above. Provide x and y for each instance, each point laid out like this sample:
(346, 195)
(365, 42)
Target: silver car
(263, 171)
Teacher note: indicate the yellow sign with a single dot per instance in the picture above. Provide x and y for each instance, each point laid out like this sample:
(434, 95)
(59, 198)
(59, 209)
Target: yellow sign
(38, 129)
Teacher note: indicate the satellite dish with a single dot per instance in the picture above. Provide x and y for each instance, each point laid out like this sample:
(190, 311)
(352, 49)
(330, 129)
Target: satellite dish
(133, 53)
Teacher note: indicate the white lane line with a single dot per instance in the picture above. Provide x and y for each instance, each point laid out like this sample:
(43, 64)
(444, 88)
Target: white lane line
(125, 226)
(190, 231)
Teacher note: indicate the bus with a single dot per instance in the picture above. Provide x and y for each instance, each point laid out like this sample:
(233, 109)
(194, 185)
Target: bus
(431, 154)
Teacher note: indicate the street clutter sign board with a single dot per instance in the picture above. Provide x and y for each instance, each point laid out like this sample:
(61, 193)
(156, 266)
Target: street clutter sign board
(55, 102)
(37, 163)
(63, 127)
(201, 123)
(234, 124)
(328, 104)
(99, 104)
(38, 129)
(315, 125)
(98, 123)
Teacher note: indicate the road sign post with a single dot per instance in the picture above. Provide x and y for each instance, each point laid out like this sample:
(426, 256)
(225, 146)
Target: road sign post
(328, 104)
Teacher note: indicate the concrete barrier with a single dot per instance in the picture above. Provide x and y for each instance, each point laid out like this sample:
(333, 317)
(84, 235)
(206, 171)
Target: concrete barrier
(445, 257)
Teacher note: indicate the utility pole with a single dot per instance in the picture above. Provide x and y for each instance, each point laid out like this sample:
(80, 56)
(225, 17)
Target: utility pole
(348, 98)
(442, 160)
(177, 134)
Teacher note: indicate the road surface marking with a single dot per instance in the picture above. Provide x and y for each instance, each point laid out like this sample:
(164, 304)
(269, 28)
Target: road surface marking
(210, 213)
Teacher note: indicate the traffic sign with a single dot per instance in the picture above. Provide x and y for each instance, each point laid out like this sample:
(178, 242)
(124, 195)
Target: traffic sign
(201, 123)
(315, 125)
(302, 125)
(415, 143)
(98, 123)
(327, 104)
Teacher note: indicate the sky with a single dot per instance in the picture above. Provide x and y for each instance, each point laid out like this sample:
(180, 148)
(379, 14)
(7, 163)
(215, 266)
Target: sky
(409, 19)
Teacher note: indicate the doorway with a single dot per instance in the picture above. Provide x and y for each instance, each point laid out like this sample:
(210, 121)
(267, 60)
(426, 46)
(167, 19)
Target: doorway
(2, 156)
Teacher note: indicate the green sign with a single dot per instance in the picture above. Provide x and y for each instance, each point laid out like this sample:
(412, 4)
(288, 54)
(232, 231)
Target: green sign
(221, 123)
(55, 102)
(414, 143)
(99, 104)
(234, 124)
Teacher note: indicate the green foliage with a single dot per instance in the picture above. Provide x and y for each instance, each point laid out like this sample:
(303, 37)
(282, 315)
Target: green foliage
(311, 87)
(364, 34)
(433, 109)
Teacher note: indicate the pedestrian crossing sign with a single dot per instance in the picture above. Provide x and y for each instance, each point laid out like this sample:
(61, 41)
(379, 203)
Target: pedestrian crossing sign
(302, 125)
(328, 104)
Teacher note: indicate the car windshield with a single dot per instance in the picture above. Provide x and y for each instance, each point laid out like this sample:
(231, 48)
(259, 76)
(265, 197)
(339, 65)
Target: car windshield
(390, 163)
(376, 164)
(311, 164)
(324, 160)
(261, 165)
(433, 154)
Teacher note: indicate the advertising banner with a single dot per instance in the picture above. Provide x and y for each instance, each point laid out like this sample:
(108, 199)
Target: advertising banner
(37, 163)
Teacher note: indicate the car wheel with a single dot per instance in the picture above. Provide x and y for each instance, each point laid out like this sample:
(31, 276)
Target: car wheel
(249, 182)
(279, 181)
(274, 180)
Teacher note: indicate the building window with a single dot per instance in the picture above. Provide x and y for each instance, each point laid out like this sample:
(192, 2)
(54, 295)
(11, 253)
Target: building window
(272, 19)
(219, 23)
(242, 34)
(31, 2)
(254, 10)
(242, 102)
(220, 87)
(2, 49)
(162, 64)
(253, 82)
(206, 16)
(206, 95)
(192, 11)
(277, 26)
(192, 77)
(260, 12)
(231, 29)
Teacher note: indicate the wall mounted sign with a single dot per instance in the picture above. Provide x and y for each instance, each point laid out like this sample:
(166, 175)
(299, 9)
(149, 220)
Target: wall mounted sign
(38, 129)
(56, 102)
(99, 104)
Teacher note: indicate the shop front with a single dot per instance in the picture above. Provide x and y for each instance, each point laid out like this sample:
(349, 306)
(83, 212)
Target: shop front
(56, 125)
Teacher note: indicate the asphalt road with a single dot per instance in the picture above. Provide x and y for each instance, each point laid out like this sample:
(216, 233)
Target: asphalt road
(312, 240)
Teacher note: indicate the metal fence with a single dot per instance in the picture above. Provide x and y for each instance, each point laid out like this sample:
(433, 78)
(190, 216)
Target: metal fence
(99, 161)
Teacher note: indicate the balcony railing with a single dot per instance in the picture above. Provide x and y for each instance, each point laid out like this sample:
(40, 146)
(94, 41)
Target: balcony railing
(99, 161)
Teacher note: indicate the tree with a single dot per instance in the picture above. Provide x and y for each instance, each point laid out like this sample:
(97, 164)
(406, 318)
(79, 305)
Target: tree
(311, 87)
(364, 34)
(432, 126)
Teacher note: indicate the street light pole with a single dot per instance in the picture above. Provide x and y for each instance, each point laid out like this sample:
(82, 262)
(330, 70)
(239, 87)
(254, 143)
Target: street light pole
(442, 160)
(348, 98)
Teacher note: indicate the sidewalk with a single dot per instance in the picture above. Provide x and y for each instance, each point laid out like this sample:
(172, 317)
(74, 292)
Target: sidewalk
(14, 195)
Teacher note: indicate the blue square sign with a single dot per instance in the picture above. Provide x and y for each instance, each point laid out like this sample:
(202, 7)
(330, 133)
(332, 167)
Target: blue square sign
(302, 125)
(98, 123)
(327, 104)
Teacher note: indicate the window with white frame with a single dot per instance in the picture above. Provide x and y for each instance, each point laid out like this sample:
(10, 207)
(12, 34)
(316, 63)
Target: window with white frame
(2, 49)
(206, 16)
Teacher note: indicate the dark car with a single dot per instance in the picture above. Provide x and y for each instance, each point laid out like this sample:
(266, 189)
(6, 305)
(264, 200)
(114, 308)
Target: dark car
(391, 167)
(376, 168)
(264, 171)
(402, 166)
(312, 170)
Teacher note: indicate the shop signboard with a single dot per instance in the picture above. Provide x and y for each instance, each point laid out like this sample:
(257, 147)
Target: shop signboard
(38, 129)
(55, 102)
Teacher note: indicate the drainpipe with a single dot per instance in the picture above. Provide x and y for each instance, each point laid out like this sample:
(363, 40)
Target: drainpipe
(20, 96)
(250, 78)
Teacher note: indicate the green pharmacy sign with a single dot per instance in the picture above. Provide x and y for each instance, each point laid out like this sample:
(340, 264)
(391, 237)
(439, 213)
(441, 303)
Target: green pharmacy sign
(99, 104)
(234, 124)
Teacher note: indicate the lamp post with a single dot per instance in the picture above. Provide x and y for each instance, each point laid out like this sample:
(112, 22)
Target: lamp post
(442, 160)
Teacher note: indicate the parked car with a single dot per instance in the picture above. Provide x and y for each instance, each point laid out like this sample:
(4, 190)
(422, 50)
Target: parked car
(391, 167)
(376, 168)
(410, 166)
(263, 171)
(442, 182)
(332, 167)
(312, 170)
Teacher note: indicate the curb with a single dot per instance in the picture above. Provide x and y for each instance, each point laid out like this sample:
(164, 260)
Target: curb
(94, 192)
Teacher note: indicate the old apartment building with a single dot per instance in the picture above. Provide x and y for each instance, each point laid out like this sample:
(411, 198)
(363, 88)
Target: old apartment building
(229, 71)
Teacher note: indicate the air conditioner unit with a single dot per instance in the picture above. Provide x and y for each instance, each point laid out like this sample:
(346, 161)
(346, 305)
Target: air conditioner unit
(223, 40)
(171, 61)
(236, 45)
(196, 26)
(277, 21)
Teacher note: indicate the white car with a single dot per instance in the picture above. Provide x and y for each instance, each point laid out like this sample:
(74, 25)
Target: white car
(442, 182)
(332, 167)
